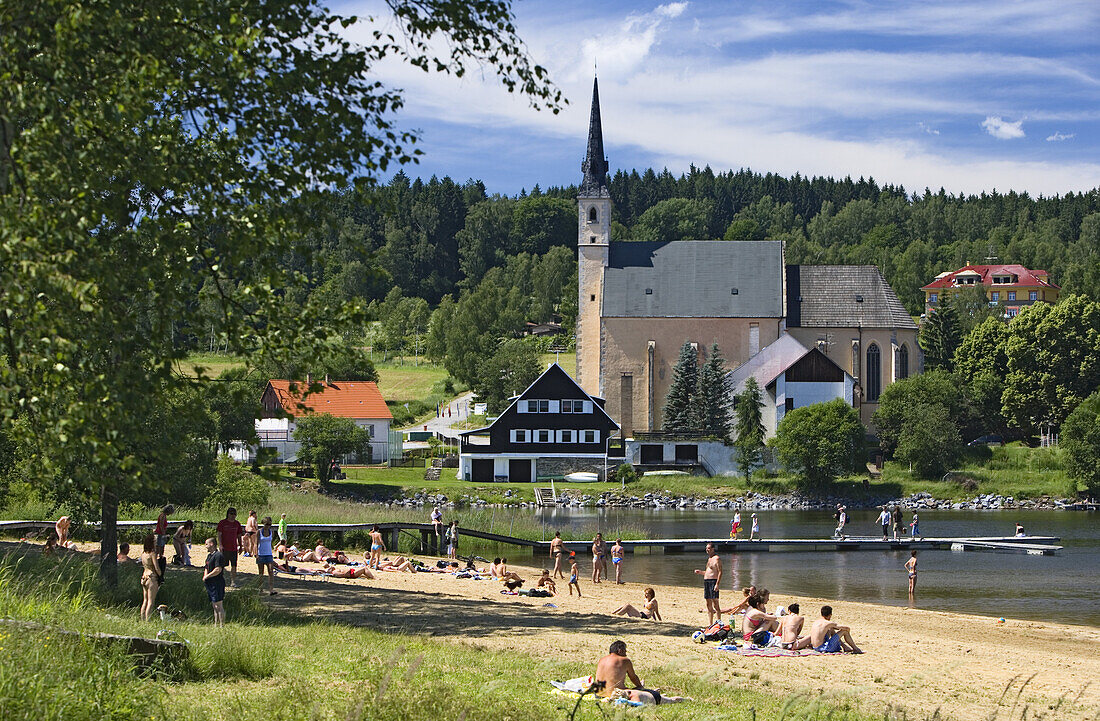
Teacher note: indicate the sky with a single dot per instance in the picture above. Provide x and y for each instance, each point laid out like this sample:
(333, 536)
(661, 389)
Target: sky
(968, 95)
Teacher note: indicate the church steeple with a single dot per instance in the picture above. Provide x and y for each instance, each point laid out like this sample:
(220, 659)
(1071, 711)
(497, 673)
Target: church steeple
(594, 184)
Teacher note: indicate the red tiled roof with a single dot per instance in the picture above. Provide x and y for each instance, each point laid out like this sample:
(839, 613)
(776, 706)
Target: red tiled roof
(344, 399)
(1025, 277)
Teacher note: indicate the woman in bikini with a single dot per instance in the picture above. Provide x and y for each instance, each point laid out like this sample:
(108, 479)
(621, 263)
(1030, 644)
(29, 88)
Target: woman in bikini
(649, 608)
(358, 572)
(251, 528)
(150, 577)
(376, 548)
(754, 627)
(911, 567)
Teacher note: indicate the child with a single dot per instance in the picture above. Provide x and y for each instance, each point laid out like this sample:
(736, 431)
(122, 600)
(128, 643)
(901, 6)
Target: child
(735, 524)
(546, 582)
(914, 527)
(573, 571)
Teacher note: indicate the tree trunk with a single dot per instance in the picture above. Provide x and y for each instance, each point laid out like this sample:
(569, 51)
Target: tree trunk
(108, 540)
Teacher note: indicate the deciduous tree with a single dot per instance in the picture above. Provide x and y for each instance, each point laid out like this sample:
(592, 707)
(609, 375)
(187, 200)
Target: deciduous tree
(326, 439)
(820, 441)
(1080, 439)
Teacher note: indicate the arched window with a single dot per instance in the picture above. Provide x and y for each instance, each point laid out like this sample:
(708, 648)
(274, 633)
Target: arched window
(903, 361)
(592, 214)
(874, 373)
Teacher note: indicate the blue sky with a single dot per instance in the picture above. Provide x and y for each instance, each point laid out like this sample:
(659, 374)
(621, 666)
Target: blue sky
(970, 95)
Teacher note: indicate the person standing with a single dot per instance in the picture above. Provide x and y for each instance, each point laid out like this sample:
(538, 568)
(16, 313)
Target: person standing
(755, 528)
(213, 577)
(437, 528)
(230, 533)
(61, 527)
(452, 540)
(573, 572)
(884, 521)
(251, 527)
(161, 529)
(264, 554)
(899, 523)
(181, 543)
(617, 554)
(556, 548)
(842, 521)
(376, 548)
(735, 524)
(150, 577)
(282, 529)
(599, 550)
(712, 577)
(914, 527)
(911, 567)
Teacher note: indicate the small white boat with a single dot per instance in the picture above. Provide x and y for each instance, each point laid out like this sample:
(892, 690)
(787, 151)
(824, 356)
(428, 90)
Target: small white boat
(582, 477)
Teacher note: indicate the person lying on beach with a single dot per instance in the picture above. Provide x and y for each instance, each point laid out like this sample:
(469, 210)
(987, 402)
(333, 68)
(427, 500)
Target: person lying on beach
(358, 572)
(756, 624)
(614, 669)
(828, 637)
(398, 564)
(546, 582)
(649, 608)
(790, 626)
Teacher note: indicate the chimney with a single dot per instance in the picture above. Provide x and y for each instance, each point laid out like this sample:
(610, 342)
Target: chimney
(326, 379)
(307, 379)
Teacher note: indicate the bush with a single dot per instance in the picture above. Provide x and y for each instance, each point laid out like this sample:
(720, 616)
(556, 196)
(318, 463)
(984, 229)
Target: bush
(820, 441)
(625, 474)
(237, 486)
(1081, 443)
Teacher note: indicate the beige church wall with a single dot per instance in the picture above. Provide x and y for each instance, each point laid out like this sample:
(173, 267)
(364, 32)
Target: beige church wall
(590, 295)
(626, 350)
(838, 347)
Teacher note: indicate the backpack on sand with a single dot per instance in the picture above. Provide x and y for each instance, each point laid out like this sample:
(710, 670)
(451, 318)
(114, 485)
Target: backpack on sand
(716, 632)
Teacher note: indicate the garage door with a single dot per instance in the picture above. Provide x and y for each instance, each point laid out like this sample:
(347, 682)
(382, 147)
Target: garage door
(687, 454)
(482, 470)
(519, 470)
(653, 454)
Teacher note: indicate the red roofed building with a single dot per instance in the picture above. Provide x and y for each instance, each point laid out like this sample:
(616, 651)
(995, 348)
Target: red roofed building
(1012, 286)
(358, 400)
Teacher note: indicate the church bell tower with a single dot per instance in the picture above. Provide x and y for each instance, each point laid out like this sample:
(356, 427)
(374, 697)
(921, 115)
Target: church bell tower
(593, 248)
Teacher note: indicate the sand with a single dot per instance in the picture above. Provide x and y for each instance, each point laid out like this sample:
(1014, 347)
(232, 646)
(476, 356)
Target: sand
(916, 659)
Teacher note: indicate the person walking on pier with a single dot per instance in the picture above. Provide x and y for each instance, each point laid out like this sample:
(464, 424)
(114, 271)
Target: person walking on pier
(914, 527)
(884, 521)
(755, 528)
(735, 524)
(712, 577)
(899, 523)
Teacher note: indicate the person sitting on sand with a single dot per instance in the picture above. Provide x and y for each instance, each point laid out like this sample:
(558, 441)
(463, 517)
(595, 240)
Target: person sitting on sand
(50, 546)
(742, 605)
(504, 574)
(649, 608)
(492, 569)
(123, 555)
(612, 672)
(756, 624)
(357, 572)
(828, 637)
(790, 626)
(546, 582)
(765, 599)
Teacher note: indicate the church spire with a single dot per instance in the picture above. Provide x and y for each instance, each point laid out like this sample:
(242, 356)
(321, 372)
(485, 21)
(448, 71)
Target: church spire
(594, 184)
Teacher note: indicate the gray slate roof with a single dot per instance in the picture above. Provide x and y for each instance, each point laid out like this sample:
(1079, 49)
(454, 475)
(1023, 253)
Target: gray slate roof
(768, 364)
(824, 296)
(694, 279)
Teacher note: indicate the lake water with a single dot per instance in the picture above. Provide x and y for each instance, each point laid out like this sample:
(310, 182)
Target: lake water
(1063, 587)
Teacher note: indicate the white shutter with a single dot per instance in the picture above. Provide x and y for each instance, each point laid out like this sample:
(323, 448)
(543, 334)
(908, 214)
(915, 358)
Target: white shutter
(521, 407)
(588, 406)
(558, 437)
(555, 406)
(512, 435)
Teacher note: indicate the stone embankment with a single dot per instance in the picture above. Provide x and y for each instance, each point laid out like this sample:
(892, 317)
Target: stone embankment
(749, 501)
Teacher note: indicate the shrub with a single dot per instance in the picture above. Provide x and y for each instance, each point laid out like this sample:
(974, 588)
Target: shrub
(625, 474)
(237, 486)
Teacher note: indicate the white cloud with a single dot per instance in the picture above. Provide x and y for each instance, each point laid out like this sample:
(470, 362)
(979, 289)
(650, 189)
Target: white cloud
(927, 129)
(1002, 129)
(1056, 136)
(671, 10)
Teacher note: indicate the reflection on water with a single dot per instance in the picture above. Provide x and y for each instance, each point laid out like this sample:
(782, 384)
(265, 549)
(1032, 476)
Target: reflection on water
(991, 584)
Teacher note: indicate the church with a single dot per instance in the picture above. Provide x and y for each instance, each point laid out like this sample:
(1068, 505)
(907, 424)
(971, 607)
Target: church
(639, 302)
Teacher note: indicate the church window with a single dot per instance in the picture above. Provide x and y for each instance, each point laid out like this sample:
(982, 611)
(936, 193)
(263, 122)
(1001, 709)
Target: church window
(592, 215)
(592, 239)
(903, 362)
(874, 373)
(649, 291)
(592, 297)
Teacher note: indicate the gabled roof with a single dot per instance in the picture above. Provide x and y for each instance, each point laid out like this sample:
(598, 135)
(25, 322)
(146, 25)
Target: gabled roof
(842, 296)
(771, 362)
(1024, 277)
(344, 399)
(552, 371)
(694, 279)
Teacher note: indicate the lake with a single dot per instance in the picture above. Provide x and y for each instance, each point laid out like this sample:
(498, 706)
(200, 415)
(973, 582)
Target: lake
(1063, 587)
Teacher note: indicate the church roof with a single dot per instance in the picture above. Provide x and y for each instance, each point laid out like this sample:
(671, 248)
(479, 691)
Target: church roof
(594, 167)
(842, 296)
(771, 362)
(694, 279)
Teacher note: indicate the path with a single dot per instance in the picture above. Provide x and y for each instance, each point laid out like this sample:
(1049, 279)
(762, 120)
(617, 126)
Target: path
(459, 409)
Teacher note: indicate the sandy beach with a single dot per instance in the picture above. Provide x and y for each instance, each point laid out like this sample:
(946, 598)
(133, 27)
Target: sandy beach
(968, 667)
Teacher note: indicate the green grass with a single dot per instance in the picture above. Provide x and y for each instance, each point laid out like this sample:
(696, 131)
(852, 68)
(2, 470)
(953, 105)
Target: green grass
(403, 381)
(212, 363)
(567, 361)
(269, 666)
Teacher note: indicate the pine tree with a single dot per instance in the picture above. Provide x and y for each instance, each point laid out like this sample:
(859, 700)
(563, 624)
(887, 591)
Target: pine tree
(940, 335)
(681, 405)
(714, 397)
(749, 426)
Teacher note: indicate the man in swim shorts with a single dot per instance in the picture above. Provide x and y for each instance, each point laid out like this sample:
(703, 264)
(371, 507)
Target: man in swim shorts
(712, 576)
(612, 672)
(790, 626)
(828, 637)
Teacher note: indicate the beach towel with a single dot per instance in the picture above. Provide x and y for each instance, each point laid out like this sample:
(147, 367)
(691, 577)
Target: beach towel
(770, 652)
(576, 686)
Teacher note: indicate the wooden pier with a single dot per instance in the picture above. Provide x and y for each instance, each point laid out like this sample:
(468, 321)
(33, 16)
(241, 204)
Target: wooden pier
(391, 530)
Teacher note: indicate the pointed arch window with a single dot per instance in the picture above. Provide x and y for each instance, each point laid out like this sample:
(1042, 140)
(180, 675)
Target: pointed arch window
(593, 215)
(903, 361)
(874, 373)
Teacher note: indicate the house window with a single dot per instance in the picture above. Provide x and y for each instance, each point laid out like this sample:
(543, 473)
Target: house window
(1033, 295)
(590, 436)
(519, 435)
(1012, 312)
(874, 373)
(538, 406)
(1012, 295)
(543, 436)
(903, 362)
(592, 214)
(995, 296)
(932, 298)
(568, 406)
(788, 404)
(567, 436)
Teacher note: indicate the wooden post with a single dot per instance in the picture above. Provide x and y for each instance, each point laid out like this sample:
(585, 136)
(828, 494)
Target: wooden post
(424, 547)
(395, 538)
